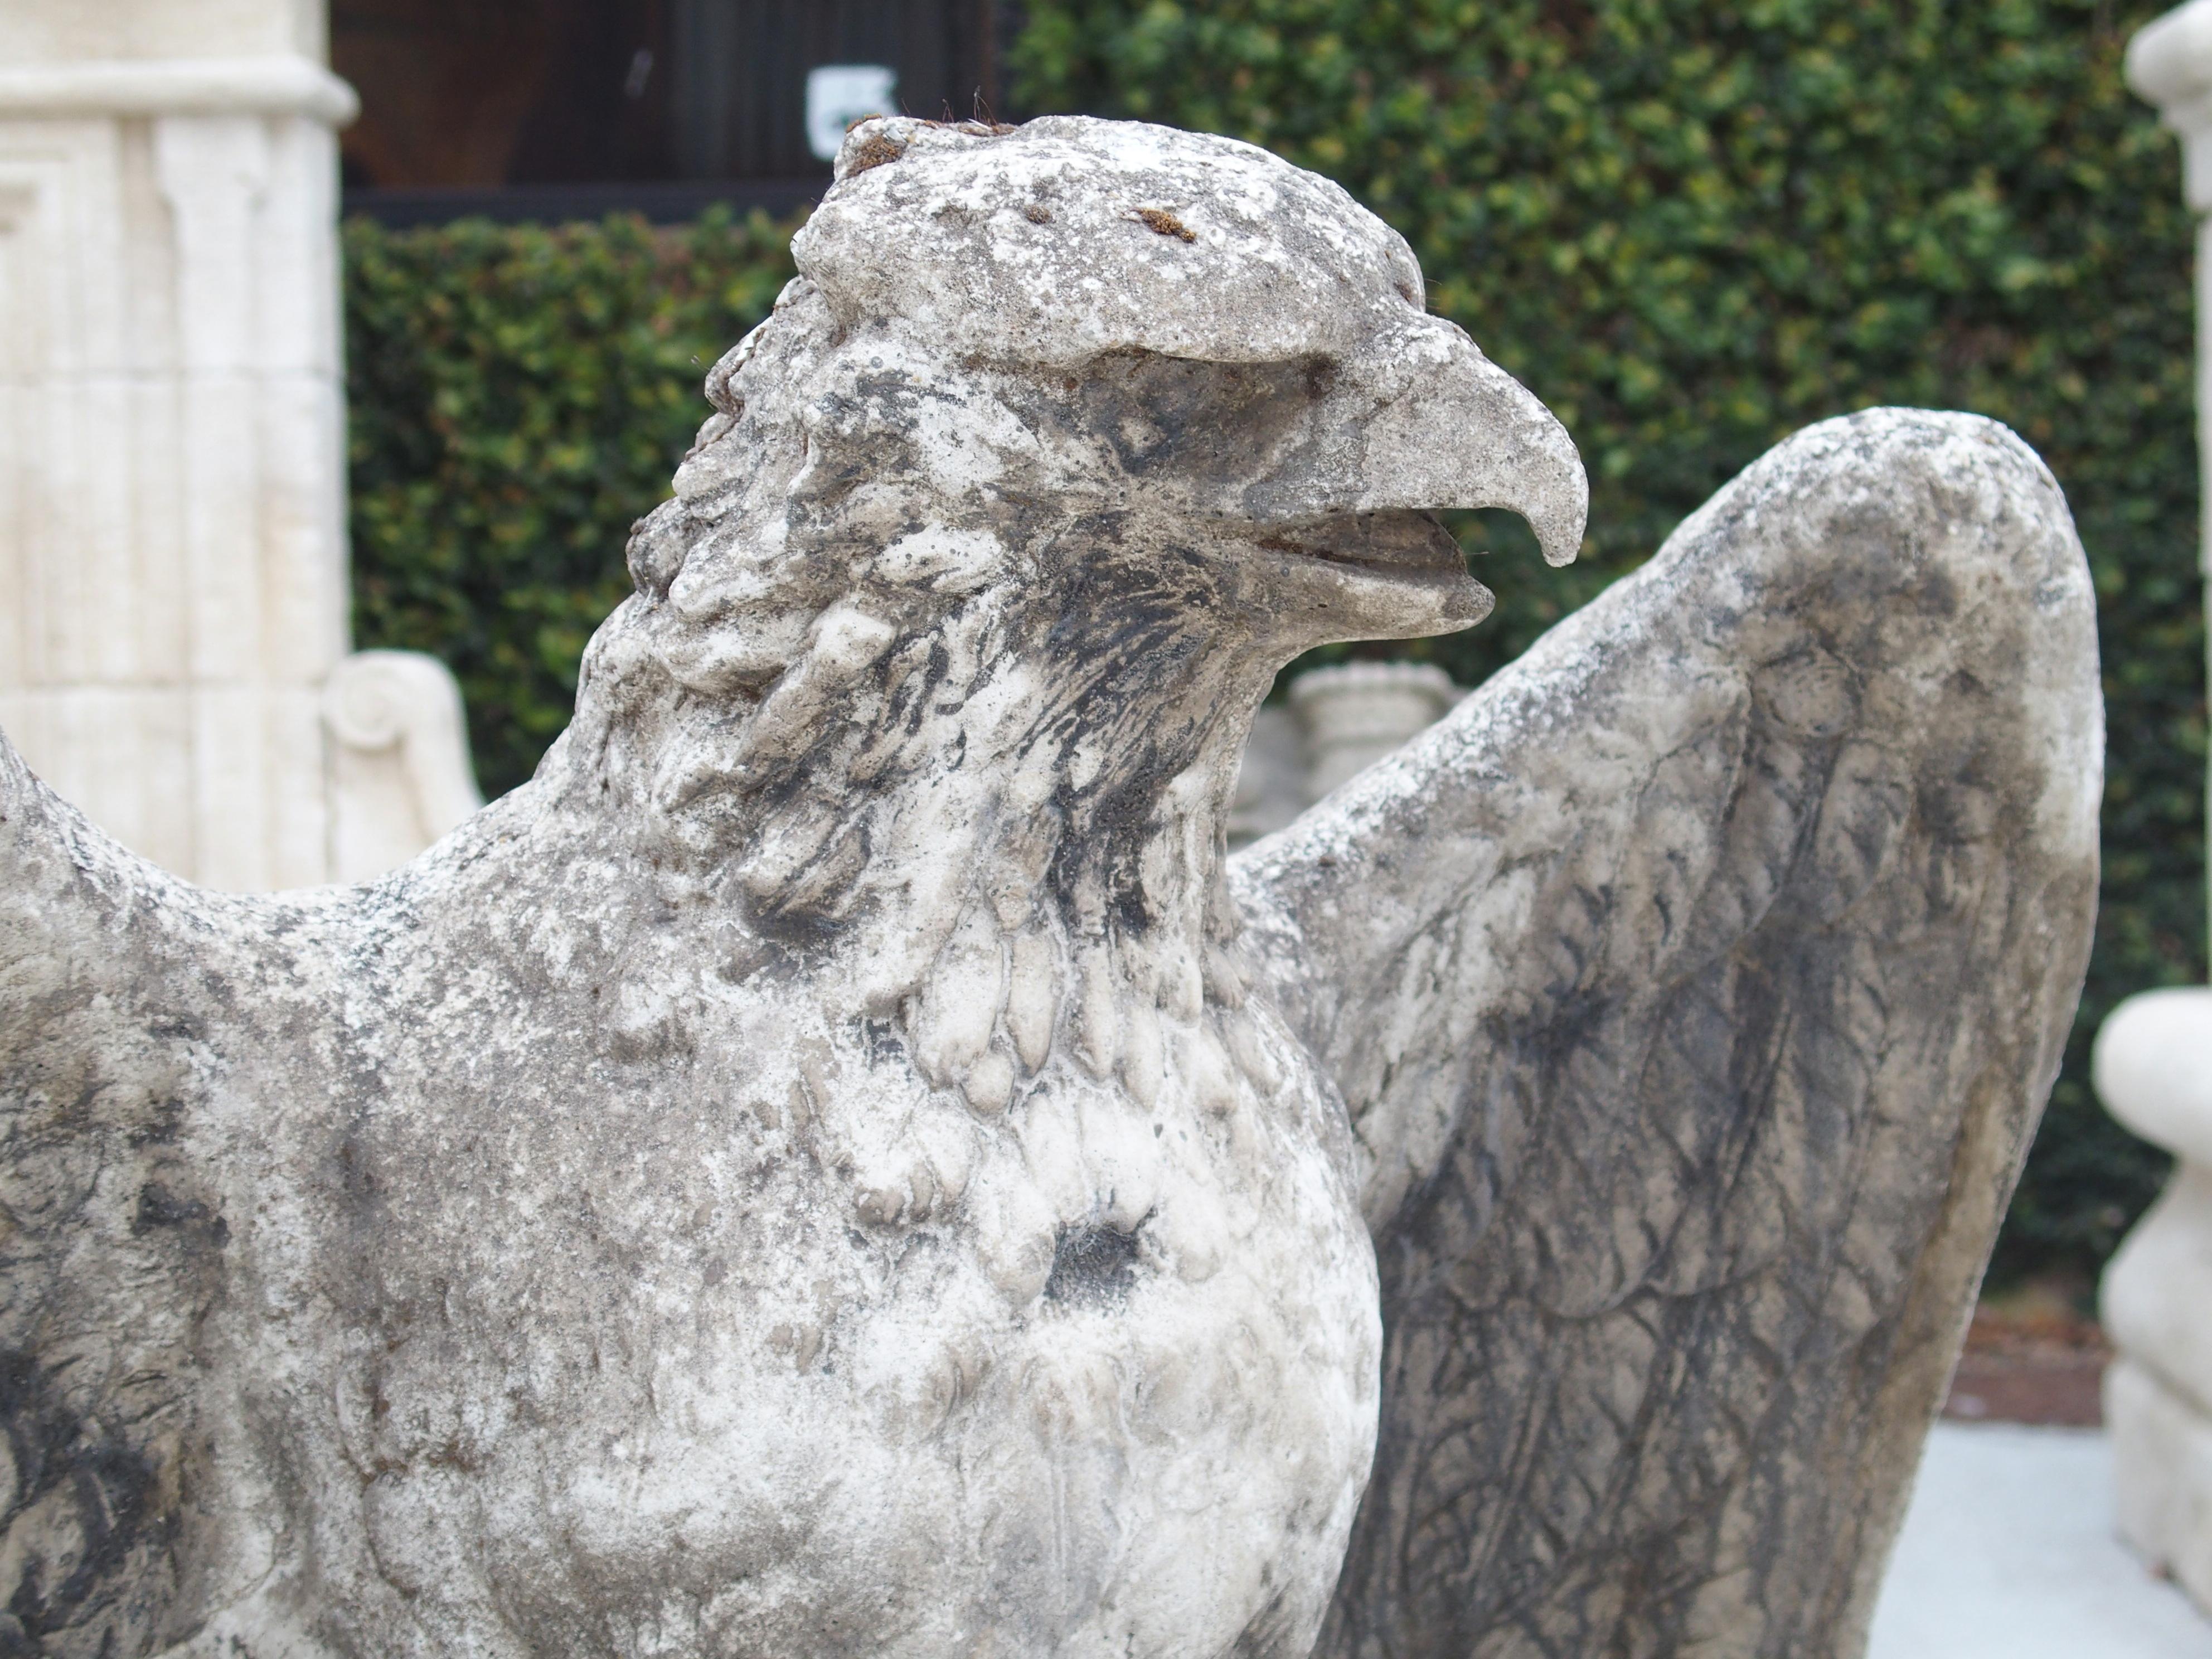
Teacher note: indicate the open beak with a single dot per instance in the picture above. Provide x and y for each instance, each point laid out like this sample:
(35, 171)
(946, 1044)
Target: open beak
(1417, 421)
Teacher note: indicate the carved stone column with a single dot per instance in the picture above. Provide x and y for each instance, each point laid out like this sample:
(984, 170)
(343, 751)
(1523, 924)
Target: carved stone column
(173, 561)
(1356, 713)
(2153, 1060)
(1340, 721)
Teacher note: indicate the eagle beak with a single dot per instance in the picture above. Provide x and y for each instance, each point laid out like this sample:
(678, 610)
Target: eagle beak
(1444, 427)
(1416, 421)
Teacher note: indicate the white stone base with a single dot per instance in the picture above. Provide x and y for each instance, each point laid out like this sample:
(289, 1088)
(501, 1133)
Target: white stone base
(400, 775)
(2162, 1475)
(1356, 713)
(2153, 1069)
(249, 788)
(1340, 720)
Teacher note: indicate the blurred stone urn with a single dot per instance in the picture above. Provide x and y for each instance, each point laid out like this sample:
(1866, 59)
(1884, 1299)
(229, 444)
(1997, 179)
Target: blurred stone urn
(173, 605)
(2154, 1069)
(1337, 722)
(2153, 1057)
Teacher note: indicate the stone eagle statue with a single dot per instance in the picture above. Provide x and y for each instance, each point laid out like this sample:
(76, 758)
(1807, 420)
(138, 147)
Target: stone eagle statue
(843, 1164)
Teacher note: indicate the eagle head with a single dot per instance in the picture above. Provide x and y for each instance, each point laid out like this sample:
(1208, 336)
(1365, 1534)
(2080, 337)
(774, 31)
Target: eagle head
(1065, 438)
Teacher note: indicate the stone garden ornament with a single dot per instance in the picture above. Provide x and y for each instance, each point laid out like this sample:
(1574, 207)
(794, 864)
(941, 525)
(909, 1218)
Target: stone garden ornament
(841, 1163)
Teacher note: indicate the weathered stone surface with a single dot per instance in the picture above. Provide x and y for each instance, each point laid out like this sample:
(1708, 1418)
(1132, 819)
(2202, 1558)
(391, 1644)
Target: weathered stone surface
(1694, 988)
(842, 1164)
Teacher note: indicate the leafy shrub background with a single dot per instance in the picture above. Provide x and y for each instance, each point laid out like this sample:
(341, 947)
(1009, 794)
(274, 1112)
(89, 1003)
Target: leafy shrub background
(1690, 228)
(519, 395)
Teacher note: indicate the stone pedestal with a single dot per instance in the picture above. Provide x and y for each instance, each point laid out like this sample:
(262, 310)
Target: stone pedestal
(173, 561)
(1340, 720)
(399, 759)
(2170, 65)
(2154, 1069)
(2153, 1060)
(1356, 713)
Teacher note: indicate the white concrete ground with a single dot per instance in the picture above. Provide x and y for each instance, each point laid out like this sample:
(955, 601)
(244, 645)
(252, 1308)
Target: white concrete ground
(2009, 1553)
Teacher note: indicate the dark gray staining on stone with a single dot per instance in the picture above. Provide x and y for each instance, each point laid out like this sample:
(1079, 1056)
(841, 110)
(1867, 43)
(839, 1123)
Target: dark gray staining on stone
(841, 1163)
(160, 1208)
(87, 1527)
(1092, 1266)
(1679, 1225)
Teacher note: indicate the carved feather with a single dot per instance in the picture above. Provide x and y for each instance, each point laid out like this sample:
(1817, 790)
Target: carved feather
(112, 1239)
(1695, 989)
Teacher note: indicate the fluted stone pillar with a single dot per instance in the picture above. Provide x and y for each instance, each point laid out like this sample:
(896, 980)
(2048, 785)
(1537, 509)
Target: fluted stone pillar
(173, 557)
(2153, 1059)
(1337, 722)
(1356, 713)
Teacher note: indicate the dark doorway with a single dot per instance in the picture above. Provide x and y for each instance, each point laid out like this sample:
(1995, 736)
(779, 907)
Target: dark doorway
(558, 108)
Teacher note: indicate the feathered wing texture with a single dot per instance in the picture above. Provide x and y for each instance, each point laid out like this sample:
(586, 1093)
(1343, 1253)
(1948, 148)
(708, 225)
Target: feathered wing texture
(1695, 989)
(111, 1245)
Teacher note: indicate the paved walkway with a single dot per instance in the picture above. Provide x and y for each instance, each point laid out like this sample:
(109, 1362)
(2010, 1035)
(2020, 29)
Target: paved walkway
(2008, 1553)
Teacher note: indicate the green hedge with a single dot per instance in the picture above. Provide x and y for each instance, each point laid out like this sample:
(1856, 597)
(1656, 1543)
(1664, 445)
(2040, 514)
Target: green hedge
(1690, 229)
(518, 396)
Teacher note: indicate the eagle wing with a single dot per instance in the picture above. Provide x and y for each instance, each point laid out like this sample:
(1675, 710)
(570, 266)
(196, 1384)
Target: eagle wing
(113, 979)
(1694, 990)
